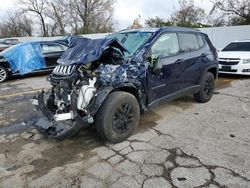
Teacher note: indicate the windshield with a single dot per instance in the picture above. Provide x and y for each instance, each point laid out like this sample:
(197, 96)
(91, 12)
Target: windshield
(237, 46)
(132, 40)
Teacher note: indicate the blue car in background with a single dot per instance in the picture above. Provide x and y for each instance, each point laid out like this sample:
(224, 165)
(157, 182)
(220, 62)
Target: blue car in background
(30, 57)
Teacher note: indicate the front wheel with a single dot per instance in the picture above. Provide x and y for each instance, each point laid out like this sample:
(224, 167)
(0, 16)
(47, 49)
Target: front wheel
(118, 116)
(4, 74)
(206, 89)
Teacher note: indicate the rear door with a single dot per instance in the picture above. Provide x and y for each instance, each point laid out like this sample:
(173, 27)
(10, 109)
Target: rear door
(194, 54)
(52, 52)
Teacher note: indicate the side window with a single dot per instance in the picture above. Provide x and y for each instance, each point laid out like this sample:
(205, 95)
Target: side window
(14, 41)
(188, 42)
(200, 40)
(11, 41)
(166, 45)
(7, 41)
(48, 48)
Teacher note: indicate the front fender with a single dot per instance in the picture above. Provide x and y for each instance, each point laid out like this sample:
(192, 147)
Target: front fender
(127, 87)
(4, 63)
(101, 95)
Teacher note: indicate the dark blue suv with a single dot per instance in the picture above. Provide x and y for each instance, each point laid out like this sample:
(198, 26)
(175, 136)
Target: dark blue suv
(109, 82)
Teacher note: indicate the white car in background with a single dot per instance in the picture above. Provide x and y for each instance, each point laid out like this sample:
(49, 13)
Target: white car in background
(235, 58)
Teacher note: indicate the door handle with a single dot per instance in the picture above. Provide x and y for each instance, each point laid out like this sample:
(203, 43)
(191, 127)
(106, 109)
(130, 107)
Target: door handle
(204, 55)
(179, 61)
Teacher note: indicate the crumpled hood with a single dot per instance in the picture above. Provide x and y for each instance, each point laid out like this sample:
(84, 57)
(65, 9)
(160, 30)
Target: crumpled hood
(84, 50)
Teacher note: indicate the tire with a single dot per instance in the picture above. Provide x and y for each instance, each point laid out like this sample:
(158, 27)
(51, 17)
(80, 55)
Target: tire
(4, 74)
(206, 89)
(118, 116)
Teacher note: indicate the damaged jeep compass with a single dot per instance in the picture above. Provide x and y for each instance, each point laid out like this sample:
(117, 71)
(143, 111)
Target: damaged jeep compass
(109, 82)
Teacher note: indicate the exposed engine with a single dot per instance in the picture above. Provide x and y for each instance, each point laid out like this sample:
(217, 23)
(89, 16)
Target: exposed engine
(83, 79)
(86, 75)
(73, 93)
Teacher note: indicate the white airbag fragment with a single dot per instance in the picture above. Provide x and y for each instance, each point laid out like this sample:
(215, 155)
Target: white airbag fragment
(86, 94)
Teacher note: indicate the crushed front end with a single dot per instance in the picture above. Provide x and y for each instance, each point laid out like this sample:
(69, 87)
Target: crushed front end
(87, 73)
(69, 105)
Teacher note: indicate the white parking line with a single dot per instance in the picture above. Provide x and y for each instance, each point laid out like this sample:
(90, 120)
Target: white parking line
(21, 93)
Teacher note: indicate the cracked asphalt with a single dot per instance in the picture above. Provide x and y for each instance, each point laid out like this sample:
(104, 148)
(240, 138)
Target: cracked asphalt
(181, 144)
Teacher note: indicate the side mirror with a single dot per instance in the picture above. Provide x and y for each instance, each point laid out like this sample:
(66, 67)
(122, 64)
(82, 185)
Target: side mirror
(157, 66)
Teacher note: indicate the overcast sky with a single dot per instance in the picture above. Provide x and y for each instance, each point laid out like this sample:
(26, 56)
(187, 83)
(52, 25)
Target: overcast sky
(127, 10)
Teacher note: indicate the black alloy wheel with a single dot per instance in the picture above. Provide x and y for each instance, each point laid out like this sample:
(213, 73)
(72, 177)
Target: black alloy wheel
(123, 118)
(206, 88)
(118, 116)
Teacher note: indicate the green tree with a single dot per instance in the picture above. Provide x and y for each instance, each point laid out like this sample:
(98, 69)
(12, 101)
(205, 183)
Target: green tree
(157, 22)
(136, 23)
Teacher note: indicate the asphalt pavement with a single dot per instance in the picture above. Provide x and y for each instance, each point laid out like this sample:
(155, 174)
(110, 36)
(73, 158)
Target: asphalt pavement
(180, 144)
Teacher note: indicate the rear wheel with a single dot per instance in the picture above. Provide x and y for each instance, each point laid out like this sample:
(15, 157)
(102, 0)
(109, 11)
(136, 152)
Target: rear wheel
(118, 116)
(206, 90)
(4, 74)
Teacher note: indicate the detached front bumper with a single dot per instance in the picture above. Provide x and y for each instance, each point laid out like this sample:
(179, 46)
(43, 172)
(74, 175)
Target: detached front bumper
(58, 126)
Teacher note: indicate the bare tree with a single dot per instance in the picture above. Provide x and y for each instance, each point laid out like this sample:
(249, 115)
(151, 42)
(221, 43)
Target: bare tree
(89, 16)
(237, 11)
(216, 19)
(16, 25)
(188, 15)
(38, 7)
(59, 16)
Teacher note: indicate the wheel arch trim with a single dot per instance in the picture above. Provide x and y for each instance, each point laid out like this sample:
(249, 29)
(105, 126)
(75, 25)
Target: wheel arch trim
(126, 87)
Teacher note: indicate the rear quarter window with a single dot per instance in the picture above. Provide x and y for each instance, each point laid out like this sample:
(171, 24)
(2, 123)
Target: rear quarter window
(188, 42)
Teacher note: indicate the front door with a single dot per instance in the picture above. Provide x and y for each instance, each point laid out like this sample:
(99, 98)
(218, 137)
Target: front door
(166, 51)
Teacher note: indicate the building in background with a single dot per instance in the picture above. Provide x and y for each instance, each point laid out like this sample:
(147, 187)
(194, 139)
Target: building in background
(222, 36)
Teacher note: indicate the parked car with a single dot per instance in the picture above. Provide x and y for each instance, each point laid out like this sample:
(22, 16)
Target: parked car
(6, 43)
(30, 57)
(10, 41)
(235, 58)
(109, 82)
